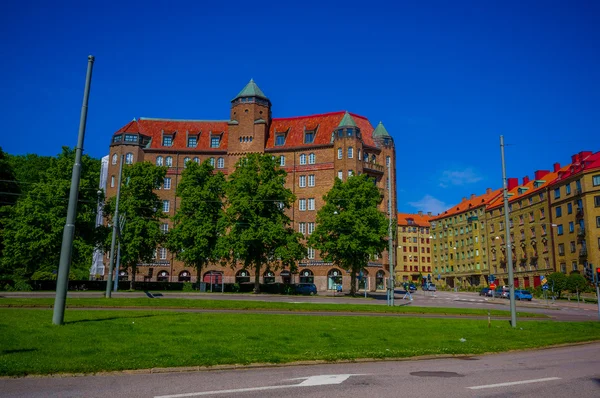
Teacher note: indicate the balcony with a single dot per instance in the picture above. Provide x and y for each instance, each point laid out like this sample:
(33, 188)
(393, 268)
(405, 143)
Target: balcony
(373, 167)
(583, 252)
(581, 232)
(577, 191)
(579, 213)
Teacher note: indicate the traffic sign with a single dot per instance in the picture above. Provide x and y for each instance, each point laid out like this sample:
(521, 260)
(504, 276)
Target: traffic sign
(491, 278)
(492, 286)
(545, 287)
(543, 279)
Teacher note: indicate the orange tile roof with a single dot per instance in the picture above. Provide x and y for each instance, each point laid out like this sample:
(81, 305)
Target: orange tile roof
(325, 123)
(419, 220)
(294, 126)
(469, 204)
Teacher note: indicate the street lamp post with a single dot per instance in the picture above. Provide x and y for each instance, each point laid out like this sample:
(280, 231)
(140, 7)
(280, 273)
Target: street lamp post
(511, 280)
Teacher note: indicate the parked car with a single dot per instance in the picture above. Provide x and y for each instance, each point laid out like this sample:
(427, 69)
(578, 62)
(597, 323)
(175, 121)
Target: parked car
(487, 292)
(306, 288)
(523, 295)
(501, 292)
(430, 288)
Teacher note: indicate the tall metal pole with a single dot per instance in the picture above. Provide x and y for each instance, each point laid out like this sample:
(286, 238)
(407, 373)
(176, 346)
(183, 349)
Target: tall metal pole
(390, 238)
(66, 250)
(115, 221)
(117, 266)
(511, 280)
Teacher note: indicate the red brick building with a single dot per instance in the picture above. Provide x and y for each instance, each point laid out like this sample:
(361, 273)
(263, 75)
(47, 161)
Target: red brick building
(313, 150)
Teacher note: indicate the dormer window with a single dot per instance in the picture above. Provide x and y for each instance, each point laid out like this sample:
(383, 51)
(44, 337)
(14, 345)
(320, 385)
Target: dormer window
(309, 137)
(215, 141)
(131, 138)
(192, 141)
(167, 140)
(279, 139)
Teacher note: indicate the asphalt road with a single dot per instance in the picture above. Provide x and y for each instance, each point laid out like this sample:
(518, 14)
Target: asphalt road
(556, 372)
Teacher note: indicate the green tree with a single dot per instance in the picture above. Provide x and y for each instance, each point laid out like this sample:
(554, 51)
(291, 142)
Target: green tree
(350, 228)
(258, 229)
(577, 283)
(33, 229)
(143, 212)
(9, 192)
(197, 225)
(29, 169)
(558, 282)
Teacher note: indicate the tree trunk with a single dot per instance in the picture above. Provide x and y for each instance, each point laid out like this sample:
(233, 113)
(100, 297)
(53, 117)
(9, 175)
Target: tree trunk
(199, 270)
(257, 278)
(353, 282)
(132, 281)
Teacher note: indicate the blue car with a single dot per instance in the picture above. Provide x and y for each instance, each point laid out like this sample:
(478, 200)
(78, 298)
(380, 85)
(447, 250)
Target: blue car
(306, 288)
(523, 295)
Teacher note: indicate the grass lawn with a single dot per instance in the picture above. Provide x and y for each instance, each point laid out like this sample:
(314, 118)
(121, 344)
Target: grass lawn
(250, 305)
(92, 341)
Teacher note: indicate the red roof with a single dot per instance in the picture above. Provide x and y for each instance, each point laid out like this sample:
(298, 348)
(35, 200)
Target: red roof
(154, 128)
(419, 220)
(324, 124)
(471, 203)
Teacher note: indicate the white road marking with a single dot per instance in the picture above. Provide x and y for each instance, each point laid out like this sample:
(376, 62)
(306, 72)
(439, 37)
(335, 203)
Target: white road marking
(514, 383)
(320, 380)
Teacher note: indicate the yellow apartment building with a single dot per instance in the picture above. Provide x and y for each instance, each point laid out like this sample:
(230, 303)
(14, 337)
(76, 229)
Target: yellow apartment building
(414, 248)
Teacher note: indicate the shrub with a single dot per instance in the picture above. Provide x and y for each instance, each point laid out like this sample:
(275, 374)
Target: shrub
(188, 287)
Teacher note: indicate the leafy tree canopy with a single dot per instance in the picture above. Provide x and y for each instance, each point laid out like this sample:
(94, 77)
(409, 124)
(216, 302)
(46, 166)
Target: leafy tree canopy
(350, 228)
(258, 229)
(142, 210)
(197, 225)
(33, 229)
(558, 282)
(577, 283)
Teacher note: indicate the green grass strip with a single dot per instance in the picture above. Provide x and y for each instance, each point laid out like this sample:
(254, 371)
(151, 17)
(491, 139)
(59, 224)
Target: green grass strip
(252, 305)
(94, 341)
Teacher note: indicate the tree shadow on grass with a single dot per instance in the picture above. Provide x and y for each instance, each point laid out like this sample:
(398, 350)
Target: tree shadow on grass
(112, 318)
(18, 351)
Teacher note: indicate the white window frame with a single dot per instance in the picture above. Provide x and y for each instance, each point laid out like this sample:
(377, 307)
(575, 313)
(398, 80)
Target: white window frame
(311, 203)
(164, 228)
(215, 141)
(311, 227)
(163, 253)
(282, 161)
(302, 228)
(302, 204)
(311, 180)
(311, 253)
(185, 160)
(350, 152)
(159, 161)
(167, 183)
(212, 162)
(302, 158)
(302, 182)
(312, 159)
(129, 158)
(112, 181)
(115, 158)
(340, 153)
(350, 173)
(169, 161)
(166, 206)
(340, 175)
(220, 163)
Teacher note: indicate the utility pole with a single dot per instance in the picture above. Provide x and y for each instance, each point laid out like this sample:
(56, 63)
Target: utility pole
(115, 222)
(511, 280)
(390, 238)
(66, 250)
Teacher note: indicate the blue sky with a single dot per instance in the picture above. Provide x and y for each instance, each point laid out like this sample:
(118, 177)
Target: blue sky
(447, 78)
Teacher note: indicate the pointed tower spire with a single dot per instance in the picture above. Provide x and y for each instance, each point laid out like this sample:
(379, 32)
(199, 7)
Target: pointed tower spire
(380, 131)
(251, 90)
(347, 121)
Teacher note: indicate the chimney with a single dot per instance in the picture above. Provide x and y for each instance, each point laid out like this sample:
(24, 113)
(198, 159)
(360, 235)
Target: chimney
(464, 199)
(429, 213)
(584, 155)
(539, 174)
(488, 190)
(420, 212)
(512, 183)
(556, 167)
(472, 195)
(525, 180)
(575, 158)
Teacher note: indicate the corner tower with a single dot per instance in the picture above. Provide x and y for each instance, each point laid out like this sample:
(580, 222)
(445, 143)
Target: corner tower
(249, 123)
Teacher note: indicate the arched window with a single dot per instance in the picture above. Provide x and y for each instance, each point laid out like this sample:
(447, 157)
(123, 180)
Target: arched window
(129, 158)
(242, 276)
(196, 160)
(185, 160)
(185, 276)
(169, 161)
(114, 158)
(212, 162)
(350, 152)
(162, 276)
(307, 276)
(379, 280)
(220, 163)
(363, 280)
(123, 275)
(159, 160)
(312, 158)
(269, 277)
(282, 161)
(373, 159)
(366, 157)
(340, 153)
(334, 279)
(303, 158)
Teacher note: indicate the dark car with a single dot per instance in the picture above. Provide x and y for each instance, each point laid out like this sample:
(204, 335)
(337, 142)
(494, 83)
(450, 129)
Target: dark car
(487, 292)
(306, 288)
(412, 288)
(501, 292)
